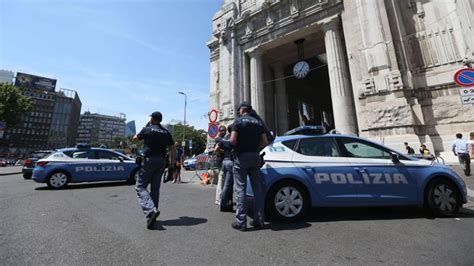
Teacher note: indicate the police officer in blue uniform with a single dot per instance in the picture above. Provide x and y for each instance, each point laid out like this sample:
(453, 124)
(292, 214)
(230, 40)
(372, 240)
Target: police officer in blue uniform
(156, 140)
(248, 137)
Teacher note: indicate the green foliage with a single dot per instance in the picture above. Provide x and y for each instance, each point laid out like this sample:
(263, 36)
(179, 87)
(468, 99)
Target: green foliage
(13, 104)
(198, 136)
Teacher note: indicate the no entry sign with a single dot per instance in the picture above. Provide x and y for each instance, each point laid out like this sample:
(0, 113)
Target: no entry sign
(212, 130)
(464, 77)
(213, 114)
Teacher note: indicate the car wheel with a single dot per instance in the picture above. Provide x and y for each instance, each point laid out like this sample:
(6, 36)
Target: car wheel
(443, 197)
(27, 176)
(58, 180)
(132, 180)
(287, 201)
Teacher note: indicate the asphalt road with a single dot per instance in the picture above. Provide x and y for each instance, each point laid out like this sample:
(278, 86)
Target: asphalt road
(102, 224)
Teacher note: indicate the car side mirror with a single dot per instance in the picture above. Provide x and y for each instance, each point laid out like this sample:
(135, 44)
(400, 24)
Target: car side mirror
(395, 157)
(121, 159)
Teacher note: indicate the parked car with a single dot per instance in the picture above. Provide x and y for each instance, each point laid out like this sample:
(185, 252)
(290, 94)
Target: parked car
(11, 161)
(84, 164)
(190, 163)
(3, 162)
(30, 162)
(332, 170)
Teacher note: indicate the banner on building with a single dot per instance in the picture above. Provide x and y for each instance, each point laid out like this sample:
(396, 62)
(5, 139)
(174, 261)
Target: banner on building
(28, 81)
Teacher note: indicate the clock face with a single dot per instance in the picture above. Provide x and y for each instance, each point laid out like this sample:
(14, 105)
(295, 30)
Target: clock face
(301, 69)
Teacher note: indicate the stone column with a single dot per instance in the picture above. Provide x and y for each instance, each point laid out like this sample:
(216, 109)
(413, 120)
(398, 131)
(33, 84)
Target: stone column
(281, 98)
(341, 91)
(245, 78)
(256, 84)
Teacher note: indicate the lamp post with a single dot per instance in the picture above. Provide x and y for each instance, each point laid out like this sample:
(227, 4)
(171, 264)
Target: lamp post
(184, 126)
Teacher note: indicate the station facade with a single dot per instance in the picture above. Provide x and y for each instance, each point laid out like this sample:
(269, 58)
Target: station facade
(381, 69)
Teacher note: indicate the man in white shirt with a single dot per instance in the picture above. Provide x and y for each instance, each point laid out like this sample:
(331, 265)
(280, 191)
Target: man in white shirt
(461, 150)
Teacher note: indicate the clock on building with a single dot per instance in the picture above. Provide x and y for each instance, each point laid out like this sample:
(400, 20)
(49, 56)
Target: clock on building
(301, 69)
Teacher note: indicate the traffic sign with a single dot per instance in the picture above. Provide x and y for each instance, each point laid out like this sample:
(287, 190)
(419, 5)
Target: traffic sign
(213, 115)
(466, 91)
(464, 77)
(212, 130)
(467, 100)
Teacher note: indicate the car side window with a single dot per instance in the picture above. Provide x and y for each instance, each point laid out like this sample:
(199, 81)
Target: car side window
(83, 154)
(290, 144)
(360, 149)
(325, 147)
(107, 155)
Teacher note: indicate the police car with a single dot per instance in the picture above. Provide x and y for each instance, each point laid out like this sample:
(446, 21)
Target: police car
(84, 164)
(335, 170)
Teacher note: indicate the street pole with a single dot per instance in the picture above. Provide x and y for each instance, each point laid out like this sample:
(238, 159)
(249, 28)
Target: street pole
(184, 126)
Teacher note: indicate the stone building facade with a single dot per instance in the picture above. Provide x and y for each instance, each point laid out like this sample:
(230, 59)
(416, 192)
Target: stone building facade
(381, 69)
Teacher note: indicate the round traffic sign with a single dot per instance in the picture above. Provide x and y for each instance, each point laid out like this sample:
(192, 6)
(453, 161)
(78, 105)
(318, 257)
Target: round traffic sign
(464, 77)
(213, 114)
(212, 130)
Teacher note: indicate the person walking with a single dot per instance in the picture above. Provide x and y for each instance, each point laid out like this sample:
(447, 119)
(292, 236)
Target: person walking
(219, 160)
(461, 150)
(409, 149)
(178, 163)
(248, 137)
(227, 173)
(156, 139)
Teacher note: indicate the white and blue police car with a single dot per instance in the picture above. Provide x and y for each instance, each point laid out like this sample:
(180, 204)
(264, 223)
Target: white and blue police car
(84, 164)
(334, 170)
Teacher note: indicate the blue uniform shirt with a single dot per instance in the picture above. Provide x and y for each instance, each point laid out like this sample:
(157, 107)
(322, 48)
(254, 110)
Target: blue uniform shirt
(460, 146)
(249, 131)
(155, 138)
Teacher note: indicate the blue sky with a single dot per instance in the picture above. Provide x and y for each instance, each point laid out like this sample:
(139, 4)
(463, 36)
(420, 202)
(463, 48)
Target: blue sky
(130, 56)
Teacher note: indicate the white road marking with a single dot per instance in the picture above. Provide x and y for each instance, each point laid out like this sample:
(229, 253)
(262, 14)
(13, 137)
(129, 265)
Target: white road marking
(470, 193)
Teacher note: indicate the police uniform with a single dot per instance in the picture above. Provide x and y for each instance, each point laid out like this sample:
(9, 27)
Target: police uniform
(247, 162)
(156, 139)
(228, 176)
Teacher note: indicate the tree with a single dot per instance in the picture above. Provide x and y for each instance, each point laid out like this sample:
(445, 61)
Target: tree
(13, 104)
(198, 137)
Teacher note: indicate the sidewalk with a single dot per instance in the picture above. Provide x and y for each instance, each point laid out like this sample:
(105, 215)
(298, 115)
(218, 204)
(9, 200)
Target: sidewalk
(10, 170)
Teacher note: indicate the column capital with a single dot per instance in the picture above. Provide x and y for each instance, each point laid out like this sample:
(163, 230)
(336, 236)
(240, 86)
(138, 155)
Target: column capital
(253, 53)
(329, 23)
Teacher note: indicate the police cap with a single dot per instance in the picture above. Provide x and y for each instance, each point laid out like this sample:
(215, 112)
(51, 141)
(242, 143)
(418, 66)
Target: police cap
(157, 116)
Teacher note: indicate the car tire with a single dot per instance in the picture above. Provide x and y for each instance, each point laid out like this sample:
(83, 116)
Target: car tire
(287, 201)
(132, 180)
(58, 179)
(443, 197)
(27, 176)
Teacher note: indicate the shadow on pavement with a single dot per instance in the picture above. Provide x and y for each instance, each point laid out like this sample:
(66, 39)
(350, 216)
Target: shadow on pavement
(377, 213)
(88, 185)
(276, 226)
(182, 221)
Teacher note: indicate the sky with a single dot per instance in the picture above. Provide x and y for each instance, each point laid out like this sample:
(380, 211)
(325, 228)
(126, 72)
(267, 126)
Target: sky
(121, 56)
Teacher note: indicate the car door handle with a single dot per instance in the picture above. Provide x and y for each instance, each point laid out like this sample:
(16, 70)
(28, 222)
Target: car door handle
(360, 170)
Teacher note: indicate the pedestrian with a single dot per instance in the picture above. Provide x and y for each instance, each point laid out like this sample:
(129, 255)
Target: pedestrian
(461, 150)
(178, 163)
(409, 149)
(156, 139)
(219, 155)
(226, 204)
(248, 137)
(424, 150)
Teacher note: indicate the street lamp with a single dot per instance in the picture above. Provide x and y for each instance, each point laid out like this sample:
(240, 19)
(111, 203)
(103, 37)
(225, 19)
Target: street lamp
(184, 126)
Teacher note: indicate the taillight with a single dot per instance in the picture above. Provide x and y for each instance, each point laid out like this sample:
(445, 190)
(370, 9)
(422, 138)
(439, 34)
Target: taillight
(42, 163)
(27, 162)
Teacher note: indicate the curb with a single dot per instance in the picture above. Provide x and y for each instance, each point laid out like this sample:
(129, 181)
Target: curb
(13, 173)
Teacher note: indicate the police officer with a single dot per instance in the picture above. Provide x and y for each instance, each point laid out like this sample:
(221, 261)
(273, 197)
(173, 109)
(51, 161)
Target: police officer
(219, 159)
(248, 137)
(156, 139)
(227, 173)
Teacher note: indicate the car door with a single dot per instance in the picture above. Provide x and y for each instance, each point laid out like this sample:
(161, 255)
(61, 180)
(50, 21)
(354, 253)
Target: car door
(379, 179)
(112, 167)
(83, 165)
(319, 159)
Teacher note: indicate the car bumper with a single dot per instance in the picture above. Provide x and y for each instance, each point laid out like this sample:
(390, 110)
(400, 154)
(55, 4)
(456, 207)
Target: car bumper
(39, 175)
(27, 170)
